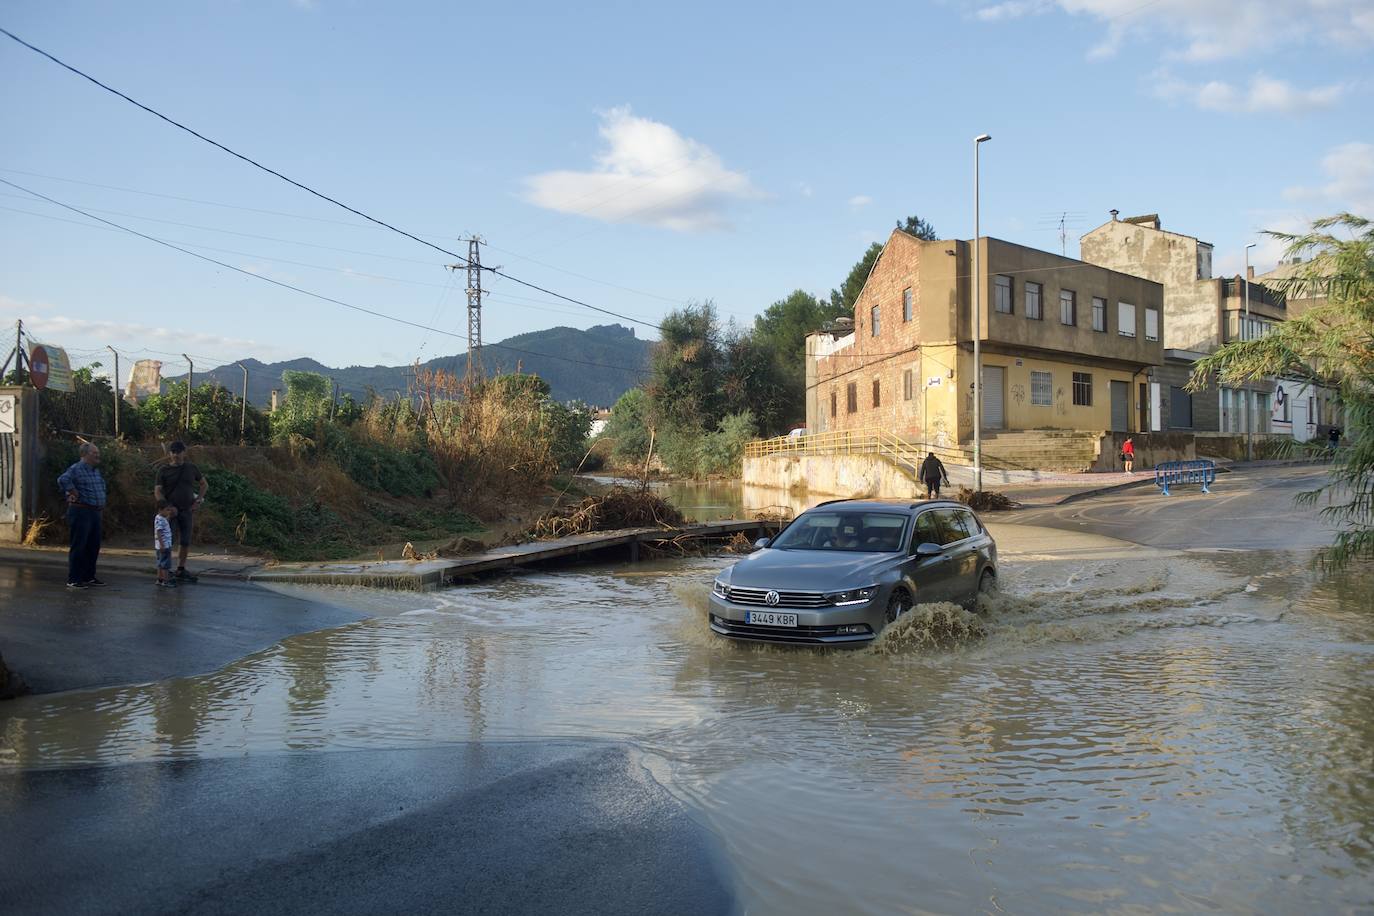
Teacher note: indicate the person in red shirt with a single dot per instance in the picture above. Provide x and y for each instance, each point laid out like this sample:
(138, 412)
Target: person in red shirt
(1128, 455)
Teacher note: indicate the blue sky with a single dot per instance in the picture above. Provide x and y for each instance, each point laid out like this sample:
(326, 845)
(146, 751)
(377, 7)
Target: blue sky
(635, 156)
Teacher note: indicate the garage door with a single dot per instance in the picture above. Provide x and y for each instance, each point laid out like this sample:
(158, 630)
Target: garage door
(994, 383)
(1121, 407)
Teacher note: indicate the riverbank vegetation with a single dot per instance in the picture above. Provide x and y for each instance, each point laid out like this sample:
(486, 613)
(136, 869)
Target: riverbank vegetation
(1330, 344)
(322, 478)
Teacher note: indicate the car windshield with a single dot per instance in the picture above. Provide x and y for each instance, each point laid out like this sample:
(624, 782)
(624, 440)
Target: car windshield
(861, 532)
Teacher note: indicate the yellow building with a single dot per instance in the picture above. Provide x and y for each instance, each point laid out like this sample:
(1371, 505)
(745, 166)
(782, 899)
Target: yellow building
(1065, 345)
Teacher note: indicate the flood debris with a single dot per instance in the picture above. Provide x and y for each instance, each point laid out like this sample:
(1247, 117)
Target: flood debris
(618, 507)
(985, 500)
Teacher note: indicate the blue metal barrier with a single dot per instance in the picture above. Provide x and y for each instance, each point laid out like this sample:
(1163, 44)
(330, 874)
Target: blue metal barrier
(1175, 472)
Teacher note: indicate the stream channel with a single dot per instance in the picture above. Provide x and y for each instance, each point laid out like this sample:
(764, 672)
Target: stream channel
(1122, 729)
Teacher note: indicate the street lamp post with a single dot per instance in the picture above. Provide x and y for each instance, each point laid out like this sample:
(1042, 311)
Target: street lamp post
(977, 330)
(1245, 335)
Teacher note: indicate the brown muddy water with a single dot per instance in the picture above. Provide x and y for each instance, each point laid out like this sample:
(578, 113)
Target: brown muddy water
(1121, 730)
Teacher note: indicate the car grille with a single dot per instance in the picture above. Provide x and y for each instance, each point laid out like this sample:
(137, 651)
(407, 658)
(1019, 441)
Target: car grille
(758, 596)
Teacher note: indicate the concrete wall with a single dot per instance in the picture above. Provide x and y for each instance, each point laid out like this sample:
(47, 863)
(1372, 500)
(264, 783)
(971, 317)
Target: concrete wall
(1150, 449)
(1192, 299)
(13, 524)
(831, 475)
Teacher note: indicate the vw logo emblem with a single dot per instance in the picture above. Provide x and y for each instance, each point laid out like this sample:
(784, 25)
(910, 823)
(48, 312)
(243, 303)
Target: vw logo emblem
(771, 599)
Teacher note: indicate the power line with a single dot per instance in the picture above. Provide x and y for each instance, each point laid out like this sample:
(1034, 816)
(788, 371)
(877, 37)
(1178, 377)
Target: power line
(297, 289)
(309, 190)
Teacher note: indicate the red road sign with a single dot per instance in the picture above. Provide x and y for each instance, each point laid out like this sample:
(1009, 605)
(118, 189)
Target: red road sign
(38, 367)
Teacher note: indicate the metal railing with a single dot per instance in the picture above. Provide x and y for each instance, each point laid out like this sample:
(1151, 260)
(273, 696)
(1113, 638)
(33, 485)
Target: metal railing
(1172, 473)
(904, 453)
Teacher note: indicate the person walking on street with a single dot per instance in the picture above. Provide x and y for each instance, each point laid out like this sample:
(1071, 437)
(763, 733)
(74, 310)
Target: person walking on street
(1333, 439)
(181, 484)
(1128, 455)
(162, 542)
(932, 470)
(85, 490)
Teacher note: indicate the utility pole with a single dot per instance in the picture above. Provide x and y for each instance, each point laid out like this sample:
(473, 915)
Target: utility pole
(116, 388)
(17, 354)
(474, 268)
(243, 408)
(190, 384)
(977, 330)
(1245, 335)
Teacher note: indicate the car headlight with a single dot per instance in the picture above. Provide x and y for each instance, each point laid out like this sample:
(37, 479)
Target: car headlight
(720, 589)
(853, 596)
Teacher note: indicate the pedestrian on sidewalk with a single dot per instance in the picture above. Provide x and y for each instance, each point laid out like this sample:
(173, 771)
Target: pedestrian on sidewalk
(1128, 455)
(85, 490)
(162, 542)
(1333, 439)
(932, 470)
(181, 484)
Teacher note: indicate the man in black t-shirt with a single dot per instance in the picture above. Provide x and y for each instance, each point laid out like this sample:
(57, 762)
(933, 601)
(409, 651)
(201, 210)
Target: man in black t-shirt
(181, 484)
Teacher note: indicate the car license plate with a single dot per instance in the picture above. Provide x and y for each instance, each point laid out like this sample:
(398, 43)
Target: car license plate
(770, 618)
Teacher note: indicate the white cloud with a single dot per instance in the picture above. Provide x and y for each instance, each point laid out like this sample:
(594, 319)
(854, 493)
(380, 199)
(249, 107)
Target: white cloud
(860, 200)
(1349, 186)
(1265, 95)
(805, 189)
(1210, 29)
(43, 324)
(649, 174)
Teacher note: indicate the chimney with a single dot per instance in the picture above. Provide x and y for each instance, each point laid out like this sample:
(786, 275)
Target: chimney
(274, 400)
(1114, 214)
(1250, 272)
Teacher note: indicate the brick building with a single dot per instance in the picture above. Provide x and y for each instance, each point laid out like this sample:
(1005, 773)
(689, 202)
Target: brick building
(1066, 345)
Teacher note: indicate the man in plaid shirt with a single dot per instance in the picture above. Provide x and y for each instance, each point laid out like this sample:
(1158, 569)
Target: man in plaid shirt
(85, 490)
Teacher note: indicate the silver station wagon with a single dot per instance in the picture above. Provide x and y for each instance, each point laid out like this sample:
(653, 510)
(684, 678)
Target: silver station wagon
(845, 569)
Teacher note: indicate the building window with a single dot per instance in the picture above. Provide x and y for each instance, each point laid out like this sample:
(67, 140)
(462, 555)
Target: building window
(877, 400)
(1180, 408)
(873, 316)
(1082, 389)
(1099, 314)
(1125, 319)
(1033, 306)
(834, 402)
(906, 385)
(851, 393)
(1001, 294)
(906, 305)
(1042, 389)
(1151, 324)
(1068, 307)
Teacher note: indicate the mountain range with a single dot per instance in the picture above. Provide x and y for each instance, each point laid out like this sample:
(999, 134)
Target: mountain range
(596, 366)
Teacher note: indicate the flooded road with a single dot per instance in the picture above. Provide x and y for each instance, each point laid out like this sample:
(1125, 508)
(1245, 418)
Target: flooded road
(1123, 728)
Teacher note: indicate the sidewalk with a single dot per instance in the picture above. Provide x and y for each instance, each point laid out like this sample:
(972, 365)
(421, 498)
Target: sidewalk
(128, 559)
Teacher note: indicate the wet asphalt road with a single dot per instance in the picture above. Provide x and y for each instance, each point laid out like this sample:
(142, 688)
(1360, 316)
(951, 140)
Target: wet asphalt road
(131, 632)
(539, 827)
(1249, 509)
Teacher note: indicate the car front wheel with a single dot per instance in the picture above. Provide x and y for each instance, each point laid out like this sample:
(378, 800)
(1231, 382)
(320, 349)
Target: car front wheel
(898, 604)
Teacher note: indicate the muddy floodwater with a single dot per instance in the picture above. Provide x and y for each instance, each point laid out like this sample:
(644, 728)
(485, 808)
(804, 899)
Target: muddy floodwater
(1122, 729)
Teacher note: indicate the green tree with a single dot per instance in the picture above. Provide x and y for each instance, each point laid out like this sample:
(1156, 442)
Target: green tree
(722, 450)
(765, 380)
(627, 430)
(1331, 344)
(305, 409)
(215, 415)
(684, 386)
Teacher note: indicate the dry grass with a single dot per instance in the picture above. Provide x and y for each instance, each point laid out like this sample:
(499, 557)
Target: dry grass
(37, 530)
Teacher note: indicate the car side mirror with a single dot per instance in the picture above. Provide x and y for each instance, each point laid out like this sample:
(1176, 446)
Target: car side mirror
(929, 550)
(762, 543)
